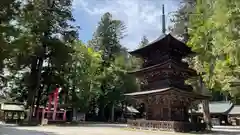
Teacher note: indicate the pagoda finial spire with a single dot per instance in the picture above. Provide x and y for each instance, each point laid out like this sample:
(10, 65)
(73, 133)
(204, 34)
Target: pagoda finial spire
(163, 21)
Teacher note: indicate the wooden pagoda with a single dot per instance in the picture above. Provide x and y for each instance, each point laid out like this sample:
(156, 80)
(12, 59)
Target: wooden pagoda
(164, 93)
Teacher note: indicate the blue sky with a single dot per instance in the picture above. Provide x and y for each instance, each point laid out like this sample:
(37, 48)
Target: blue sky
(141, 17)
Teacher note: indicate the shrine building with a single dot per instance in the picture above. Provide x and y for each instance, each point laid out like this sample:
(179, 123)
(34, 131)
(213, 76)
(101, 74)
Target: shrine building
(164, 93)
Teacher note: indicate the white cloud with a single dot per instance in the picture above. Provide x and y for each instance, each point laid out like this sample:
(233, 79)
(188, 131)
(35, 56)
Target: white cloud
(142, 17)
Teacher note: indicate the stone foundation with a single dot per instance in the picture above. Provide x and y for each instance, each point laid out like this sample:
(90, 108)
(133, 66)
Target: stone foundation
(176, 126)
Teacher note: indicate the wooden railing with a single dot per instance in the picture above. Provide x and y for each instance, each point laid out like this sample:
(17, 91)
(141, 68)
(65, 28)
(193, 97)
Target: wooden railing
(166, 125)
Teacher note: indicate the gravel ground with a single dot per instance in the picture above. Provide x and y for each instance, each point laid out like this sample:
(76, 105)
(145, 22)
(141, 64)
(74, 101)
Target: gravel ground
(94, 129)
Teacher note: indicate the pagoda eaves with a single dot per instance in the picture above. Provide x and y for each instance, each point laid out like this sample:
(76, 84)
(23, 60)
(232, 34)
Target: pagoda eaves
(169, 64)
(165, 43)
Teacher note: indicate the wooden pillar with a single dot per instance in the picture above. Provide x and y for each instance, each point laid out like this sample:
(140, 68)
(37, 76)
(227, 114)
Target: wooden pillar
(161, 113)
(186, 115)
(182, 113)
(146, 106)
(4, 114)
(169, 109)
(12, 115)
(18, 119)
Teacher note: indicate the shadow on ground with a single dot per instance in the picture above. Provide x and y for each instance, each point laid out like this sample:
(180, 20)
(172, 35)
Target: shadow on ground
(219, 132)
(12, 130)
(225, 133)
(94, 125)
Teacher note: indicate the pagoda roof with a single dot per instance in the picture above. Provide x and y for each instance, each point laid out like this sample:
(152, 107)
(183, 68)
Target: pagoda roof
(164, 42)
(147, 92)
(235, 110)
(218, 107)
(165, 64)
(157, 91)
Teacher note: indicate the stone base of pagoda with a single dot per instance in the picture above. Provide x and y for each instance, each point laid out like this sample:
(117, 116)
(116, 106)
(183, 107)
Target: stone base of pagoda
(176, 126)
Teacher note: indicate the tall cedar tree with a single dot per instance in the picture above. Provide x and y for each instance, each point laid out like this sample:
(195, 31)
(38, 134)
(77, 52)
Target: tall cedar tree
(49, 36)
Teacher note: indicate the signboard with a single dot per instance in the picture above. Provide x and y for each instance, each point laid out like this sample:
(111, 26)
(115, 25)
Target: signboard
(80, 116)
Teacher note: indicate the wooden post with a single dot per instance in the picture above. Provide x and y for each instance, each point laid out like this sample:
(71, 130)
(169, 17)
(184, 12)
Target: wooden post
(4, 115)
(161, 113)
(169, 112)
(169, 109)
(146, 107)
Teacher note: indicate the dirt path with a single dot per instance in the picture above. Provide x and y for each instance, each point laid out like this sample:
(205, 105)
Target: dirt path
(95, 129)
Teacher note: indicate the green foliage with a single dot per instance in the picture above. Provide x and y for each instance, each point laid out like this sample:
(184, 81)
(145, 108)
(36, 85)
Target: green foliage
(84, 76)
(214, 36)
(118, 81)
(115, 81)
(43, 41)
(178, 18)
(107, 37)
(9, 11)
(44, 52)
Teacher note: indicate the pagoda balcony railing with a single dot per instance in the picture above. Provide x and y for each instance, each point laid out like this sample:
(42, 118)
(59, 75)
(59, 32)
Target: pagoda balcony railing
(158, 61)
(177, 126)
(183, 86)
(179, 86)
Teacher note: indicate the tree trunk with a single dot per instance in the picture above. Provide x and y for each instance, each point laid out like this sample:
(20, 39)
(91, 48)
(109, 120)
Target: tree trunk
(32, 87)
(74, 114)
(205, 105)
(101, 112)
(122, 111)
(112, 113)
(206, 114)
(36, 68)
(39, 69)
(39, 97)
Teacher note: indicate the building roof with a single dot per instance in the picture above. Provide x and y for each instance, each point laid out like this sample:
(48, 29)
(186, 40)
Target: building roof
(235, 110)
(220, 107)
(164, 41)
(12, 107)
(147, 92)
(132, 109)
(192, 94)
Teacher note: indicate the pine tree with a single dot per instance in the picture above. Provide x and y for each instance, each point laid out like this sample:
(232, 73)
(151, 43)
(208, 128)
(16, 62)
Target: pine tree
(114, 78)
(144, 42)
